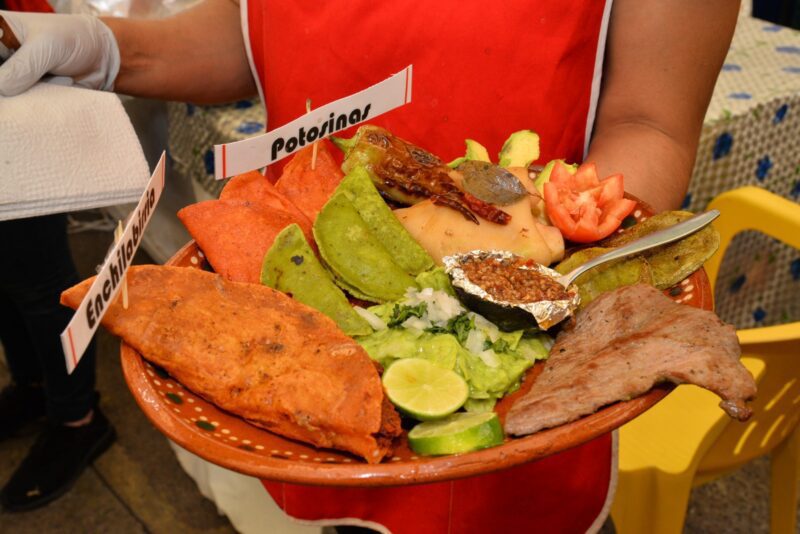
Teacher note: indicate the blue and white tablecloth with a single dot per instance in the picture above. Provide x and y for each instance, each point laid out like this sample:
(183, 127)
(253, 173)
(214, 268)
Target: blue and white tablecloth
(752, 137)
(193, 131)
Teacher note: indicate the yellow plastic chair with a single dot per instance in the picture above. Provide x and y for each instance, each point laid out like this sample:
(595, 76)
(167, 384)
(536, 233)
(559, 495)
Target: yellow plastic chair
(686, 440)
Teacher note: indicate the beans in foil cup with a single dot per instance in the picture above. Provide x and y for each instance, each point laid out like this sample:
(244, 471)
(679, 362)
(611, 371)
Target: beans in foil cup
(511, 291)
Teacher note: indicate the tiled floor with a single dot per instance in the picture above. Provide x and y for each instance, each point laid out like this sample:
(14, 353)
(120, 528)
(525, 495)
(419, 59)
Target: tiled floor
(137, 486)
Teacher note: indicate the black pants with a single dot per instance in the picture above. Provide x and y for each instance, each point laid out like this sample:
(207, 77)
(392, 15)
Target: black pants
(35, 267)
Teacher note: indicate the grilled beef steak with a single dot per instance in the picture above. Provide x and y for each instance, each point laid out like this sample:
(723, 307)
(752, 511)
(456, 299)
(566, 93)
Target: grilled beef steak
(621, 345)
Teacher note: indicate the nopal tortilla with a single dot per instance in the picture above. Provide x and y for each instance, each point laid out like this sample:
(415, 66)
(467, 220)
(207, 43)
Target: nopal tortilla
(673, 262)
(291, 266)
(353, 291)
(605, 277)
(407, 253)
(355, 255)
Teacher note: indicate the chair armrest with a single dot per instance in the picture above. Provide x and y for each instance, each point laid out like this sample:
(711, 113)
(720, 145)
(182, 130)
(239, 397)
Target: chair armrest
(769, 334)
(752, 208)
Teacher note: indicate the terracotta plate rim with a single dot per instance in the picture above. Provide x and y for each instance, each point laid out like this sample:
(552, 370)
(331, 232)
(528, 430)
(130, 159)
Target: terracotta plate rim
(514, 451)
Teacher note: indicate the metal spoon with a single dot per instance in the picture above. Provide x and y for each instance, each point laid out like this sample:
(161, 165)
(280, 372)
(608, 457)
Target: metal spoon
(662, 237)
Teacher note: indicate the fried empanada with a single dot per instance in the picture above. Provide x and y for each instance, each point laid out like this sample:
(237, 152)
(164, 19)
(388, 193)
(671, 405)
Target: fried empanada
(257, 353)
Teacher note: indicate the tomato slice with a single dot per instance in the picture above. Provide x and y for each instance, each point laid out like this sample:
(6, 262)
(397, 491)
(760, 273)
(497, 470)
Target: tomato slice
(583, 207)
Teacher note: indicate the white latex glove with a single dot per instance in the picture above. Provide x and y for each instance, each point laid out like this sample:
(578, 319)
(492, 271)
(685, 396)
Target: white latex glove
(79, 47)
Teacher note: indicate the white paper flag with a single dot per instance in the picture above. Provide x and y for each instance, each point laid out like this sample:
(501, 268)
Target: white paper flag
(76, 337)
(248, 154)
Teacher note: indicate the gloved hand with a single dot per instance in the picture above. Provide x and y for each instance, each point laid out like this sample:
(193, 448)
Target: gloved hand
(79, 47)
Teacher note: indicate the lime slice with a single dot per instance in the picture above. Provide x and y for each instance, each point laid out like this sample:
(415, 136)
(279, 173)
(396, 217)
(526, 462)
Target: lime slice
(460, 432)
(424, 390)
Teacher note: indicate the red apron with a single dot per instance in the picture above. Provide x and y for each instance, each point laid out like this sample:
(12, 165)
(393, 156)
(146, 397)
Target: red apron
(481, 70)
(29, 5)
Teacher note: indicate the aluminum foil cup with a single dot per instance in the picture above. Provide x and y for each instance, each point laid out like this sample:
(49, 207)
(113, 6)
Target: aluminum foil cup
(508, 316)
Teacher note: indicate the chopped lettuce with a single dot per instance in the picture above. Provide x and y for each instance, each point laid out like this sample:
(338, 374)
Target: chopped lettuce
(460, 327)
(427, 324)
(501, 345)
(401, 312)
(436, 278)
(440, 307)
(383, 311)
(487, 382)
(386, 346)
(480, 405)
(536, 347)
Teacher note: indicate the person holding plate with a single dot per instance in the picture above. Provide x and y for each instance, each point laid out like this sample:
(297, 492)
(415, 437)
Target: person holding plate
(36, 266)
(625, 85)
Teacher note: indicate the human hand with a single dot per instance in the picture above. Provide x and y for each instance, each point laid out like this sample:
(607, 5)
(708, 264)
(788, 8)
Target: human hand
(79, 47)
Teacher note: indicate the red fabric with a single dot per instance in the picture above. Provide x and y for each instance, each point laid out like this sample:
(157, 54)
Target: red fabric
(563, 493)
(29, 5)
(481, 70)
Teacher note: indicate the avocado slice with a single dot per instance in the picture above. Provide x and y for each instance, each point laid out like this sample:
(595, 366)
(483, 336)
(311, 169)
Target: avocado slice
(544, 176)
(475, 151)
(520, 149)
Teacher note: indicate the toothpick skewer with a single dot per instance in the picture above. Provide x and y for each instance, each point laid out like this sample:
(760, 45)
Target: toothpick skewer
(314, 149)
(117, 237)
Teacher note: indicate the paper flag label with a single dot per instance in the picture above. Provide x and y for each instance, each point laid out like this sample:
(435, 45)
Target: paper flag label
(259, 151)
(76, 337)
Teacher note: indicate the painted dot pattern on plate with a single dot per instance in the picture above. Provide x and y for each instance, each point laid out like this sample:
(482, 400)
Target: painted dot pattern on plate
(230, 430)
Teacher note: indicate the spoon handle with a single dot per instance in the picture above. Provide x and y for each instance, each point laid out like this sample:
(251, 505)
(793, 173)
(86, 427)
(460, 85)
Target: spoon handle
(662, 237)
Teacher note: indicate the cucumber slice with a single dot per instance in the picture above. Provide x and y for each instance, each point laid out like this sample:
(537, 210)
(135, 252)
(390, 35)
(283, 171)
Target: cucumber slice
(460, 432)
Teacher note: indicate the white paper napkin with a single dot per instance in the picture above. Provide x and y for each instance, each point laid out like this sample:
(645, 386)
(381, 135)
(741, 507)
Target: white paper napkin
(65, 149)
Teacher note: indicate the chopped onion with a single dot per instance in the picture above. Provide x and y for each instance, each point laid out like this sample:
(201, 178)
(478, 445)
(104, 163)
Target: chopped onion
(487, 326)
(445, 308)
(441, 307)
(374, 321)
(416, 323)
(475, 340)
(490, 358)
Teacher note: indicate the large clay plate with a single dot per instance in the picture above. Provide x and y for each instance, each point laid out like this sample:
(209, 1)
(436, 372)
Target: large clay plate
(227, 440)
